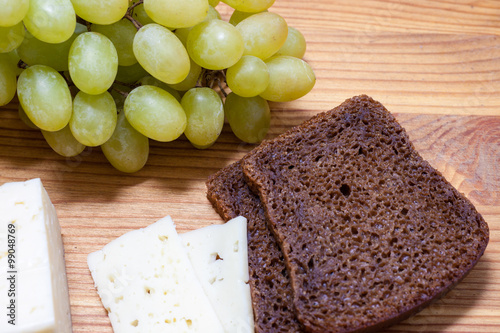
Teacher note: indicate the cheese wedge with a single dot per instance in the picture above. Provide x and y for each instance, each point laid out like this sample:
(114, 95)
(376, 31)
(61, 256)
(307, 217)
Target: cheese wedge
(220, 260)
(147, 283)
(33, 286)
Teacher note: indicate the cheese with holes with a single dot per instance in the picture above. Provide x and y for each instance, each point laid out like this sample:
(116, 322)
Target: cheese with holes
(33, 286)
(147, 283)
(220, 260)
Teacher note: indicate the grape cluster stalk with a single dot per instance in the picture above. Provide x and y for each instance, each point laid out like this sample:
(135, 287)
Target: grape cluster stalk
(116, 74)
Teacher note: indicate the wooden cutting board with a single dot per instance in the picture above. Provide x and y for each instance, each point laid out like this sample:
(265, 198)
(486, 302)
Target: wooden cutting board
(434, 63)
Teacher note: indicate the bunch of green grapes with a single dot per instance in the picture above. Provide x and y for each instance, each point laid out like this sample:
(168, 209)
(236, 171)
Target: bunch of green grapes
(119, 73)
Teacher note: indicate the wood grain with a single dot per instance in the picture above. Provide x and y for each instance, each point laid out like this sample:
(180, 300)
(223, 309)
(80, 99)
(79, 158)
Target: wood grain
(434, 63)
(424, 16)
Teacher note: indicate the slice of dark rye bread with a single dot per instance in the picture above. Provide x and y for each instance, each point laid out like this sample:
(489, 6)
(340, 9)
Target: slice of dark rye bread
(370, 232)
(269, 281)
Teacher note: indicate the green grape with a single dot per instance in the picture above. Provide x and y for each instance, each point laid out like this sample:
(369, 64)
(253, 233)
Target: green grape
(13, 58)
(130, 74)
(51, 21)
(205, 116)
(7, 80)
(252, 6)
(161, 53)
(93, 63)
(151, 81)
(176, 13)
(11, 37)
(155, 113)
(127, 149)
(35, 52)
(182, 33)
(249, 117)
(63, 142)
(122, 35)
(212, 14)
(119, 93)
(215, 44)
(94, 118)
(237, 16)
(289, 78)
(213, 3)
(24, 118)
(191, 80)
(45, 97)
(101, 12)
(139, 14)
(248, 77)
(13, 11)
(295, 45)
(263, 34)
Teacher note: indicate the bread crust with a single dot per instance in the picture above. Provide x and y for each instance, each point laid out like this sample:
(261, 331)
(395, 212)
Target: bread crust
(370, 231)
(269, 280)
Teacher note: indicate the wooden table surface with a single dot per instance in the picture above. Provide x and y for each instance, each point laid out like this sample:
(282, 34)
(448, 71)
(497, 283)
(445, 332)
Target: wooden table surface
(434, 63)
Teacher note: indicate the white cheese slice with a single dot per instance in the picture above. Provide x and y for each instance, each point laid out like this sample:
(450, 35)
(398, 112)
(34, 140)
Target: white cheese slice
(40, 290)
(220, 259)
(147, 284)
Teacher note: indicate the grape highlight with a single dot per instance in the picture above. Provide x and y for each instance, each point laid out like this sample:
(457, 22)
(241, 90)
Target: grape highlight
(119, 73)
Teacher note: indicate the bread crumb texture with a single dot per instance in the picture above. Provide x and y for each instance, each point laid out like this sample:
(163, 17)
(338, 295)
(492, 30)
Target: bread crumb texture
(370, 231)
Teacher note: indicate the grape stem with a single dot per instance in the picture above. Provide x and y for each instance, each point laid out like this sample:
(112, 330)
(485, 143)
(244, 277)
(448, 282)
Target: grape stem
(223, 74)
(130, 85)
(22, 64)
(131, 8)
(136, 23)
(123, 93)
(211, 78)
(130, 12)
